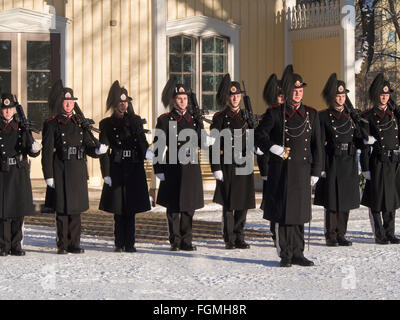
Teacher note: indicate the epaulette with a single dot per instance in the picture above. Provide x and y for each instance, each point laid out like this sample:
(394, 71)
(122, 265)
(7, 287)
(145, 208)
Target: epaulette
(165, 115)
(278, 105)
(50, 119)
(366, 111)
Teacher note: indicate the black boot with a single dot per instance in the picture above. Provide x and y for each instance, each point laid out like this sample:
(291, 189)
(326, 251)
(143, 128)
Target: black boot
(229, 246)
(76, 250)
(393, 240)
(242, 245)
(285, 263)
(17, 252)
(332, 243)
(302, 261)
(344, 242)
(188, 247)
(62, 251)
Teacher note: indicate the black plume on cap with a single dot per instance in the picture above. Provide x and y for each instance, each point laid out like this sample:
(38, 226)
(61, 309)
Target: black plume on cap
(224, 90)
(287, 83)
(375, 89)
(113, 95)
(271, 90)
(329, 91)
(168, 92)
(56, 97)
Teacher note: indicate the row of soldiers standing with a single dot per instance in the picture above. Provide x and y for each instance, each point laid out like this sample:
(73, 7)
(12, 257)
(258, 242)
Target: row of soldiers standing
(300, 146)
(295, 145)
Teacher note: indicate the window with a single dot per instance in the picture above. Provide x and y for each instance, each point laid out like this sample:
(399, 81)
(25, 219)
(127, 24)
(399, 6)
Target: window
(38, 80)
(214, 57)
(38, 62)
(199, 63)
(182, 60)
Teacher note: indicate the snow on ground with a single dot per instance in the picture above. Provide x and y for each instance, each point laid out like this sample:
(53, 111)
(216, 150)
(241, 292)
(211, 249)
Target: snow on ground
(363, 271)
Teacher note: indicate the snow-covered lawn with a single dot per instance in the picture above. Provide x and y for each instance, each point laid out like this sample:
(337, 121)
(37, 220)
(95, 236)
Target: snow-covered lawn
(363, 271)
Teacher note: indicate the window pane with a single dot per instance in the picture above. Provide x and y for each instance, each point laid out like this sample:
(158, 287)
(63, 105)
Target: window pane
(188, 45)
(208, 64)
(38, 113)
(5, 55)
(208, 83)
(175, 45)
(188, 63)
(208, 45)
(175, 63)
(207, 102)
(39, 85)
(188, 81)
(5, 82)
(220, 64)
(220, 45)
(38, 55)
(178, 78)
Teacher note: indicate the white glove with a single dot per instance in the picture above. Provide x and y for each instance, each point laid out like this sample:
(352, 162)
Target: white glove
(367, 175)
(149, 154)
(36, 147)
(209, 141)
(371, 140)
(218, 175)
(314, 180)
(107, 180)
(50, 183)
(160, 176)
(265, 178)
(278, 150)
(323, 174)
(102, 149)
(257, 151)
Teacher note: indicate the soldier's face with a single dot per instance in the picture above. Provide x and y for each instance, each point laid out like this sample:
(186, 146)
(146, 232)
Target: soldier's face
(68, 106)
(234, 100)
(281, 98)
(122, 107)
(340, 99)
(298, 95)
(384, 98)
(181, 101)
(8, 113)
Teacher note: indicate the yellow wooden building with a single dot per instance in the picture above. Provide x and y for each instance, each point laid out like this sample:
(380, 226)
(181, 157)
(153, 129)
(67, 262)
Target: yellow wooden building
(91, 43)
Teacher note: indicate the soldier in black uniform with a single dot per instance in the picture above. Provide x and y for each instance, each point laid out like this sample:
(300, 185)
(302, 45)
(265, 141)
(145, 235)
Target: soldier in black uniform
(181, 186)
(380, 162)
(233, 191)
(125, 190)
(66, 142)
(273, 95)
(338, 189)
(290, 132)
(15, 184)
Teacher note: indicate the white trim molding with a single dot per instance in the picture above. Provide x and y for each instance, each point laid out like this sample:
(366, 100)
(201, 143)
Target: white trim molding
(317, 33)
(20, 20)
(203, 26)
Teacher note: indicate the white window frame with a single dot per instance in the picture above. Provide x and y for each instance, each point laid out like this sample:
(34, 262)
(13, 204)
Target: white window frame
(193, 26)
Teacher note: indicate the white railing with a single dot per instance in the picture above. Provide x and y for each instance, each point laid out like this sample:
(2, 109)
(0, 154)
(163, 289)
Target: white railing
(314, 15)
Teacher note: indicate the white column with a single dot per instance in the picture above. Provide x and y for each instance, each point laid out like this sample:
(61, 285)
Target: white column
(347, 45)
(159, 65)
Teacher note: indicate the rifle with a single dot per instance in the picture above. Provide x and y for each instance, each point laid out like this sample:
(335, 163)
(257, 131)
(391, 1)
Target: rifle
(198, 114)
(26, 123)
(251, 118)
(87, 124)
